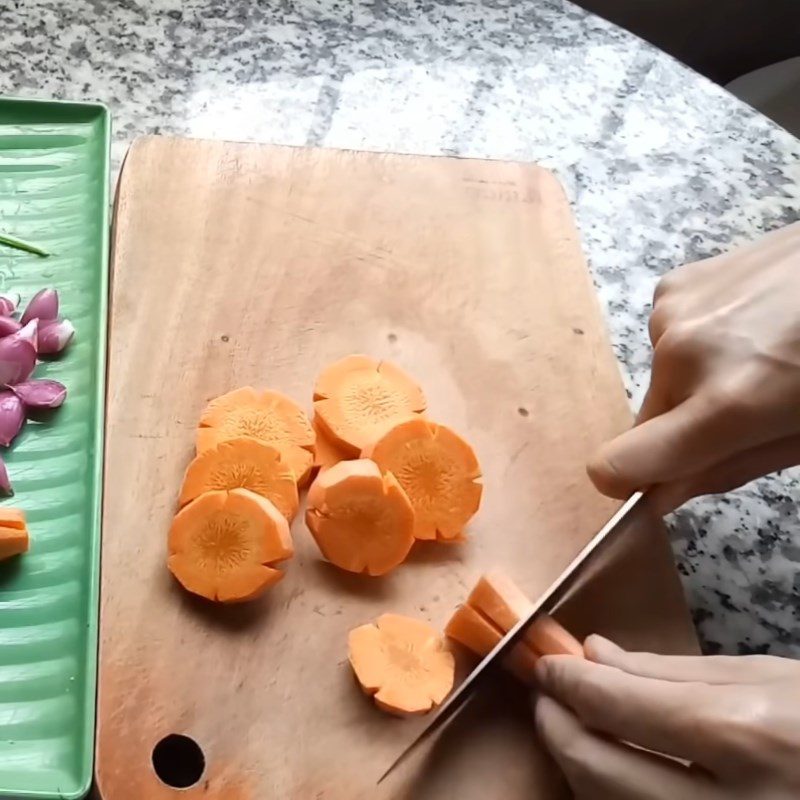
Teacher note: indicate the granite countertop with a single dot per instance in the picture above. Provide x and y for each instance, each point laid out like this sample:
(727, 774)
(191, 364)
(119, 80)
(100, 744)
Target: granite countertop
(661, 165)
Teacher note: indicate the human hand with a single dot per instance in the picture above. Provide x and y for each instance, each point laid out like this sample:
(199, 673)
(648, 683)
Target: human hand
(723, 405)
(735, 720)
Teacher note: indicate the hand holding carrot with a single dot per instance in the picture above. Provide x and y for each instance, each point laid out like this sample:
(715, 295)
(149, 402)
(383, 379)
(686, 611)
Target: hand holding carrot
(734, 723)
(722, 407)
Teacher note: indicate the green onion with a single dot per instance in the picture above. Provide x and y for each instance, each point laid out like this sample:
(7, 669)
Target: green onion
(18, 244)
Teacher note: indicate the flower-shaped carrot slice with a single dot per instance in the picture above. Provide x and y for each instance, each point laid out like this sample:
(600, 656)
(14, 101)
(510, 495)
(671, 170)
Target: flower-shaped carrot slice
(224, 545)
(268, 416)
(438, 471)
(361, 520)
(403, 663)
(357, 398)
(326, 452)
(243, 464)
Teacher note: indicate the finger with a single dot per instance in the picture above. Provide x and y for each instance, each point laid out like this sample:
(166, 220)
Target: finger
(707, 669)
(657, 324)
(663, 716)
(599, 769)
(729, 474)
(689, 438)
(656, 400)
(667, 389)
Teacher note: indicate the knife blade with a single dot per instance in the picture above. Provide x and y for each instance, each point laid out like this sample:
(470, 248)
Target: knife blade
(545, 603)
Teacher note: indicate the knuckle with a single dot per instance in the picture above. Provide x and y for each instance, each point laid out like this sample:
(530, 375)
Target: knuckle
(665, 286)
(678, 341)
(736, 726)
(576, 757)
(737, 723)
(587, 698)
(565, 738)
(768, 666)
(607, 475)
(550, 672)
(656, 325)
(730, 400)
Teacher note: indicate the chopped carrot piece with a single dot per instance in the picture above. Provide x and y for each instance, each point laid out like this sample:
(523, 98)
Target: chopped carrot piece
(476, 633)
(224, 545)
(13, 542)
(551, 638)
(361, 520)
(267, 416)
(12, 518)
(243, 464)
(326, 452)
(501, 601)
(358, 398)
(439, 472)
(403, 663)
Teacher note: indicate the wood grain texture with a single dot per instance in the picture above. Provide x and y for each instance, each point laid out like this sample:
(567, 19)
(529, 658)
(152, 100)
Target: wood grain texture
(247, 264)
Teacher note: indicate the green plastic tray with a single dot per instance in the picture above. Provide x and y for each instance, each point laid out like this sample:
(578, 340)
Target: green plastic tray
(54, 176)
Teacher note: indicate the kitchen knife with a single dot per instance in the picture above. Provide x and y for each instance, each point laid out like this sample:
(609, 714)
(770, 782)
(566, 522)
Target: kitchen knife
(545, 604)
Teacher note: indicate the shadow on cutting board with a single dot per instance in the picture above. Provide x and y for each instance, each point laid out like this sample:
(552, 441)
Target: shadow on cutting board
(230, 617)
(349, 583)
(499, 718)
(9, 570)
(603, 599)
(438, 553)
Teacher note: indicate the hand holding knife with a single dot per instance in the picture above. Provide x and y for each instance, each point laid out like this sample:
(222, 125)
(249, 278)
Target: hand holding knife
(546, 603)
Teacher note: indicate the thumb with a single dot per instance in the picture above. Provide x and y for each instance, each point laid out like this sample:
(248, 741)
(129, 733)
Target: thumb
(728, 474)
(687, 439)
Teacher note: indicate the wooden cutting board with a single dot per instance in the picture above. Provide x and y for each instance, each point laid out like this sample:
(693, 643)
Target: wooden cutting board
(244, 264)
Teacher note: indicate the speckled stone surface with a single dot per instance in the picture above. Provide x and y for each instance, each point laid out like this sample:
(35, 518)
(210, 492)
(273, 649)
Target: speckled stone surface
(662, 167)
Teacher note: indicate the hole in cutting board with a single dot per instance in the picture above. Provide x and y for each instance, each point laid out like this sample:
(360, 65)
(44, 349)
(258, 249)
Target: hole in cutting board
(178, 761)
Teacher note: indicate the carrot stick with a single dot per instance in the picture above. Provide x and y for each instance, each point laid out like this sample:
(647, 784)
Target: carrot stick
(471, 629)
(499, 599)
(13, 542)
(12, 518)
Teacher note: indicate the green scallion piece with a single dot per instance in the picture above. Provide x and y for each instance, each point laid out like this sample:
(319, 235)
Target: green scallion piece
(19, 244)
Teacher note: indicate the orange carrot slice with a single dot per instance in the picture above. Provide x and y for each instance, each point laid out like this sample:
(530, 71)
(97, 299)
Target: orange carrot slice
(361, 520)
(551, 638)
(326, 453)
(267, 416)
(13, 542)
(224, 545)
(501, 601)
(358, 398)
(12, 518)
(438, 471)
(403, 663)
(243, 464)
(477, 634)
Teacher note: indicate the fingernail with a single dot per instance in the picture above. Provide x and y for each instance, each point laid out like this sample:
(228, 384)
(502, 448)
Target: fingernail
(598, 648)
(542, 671)
(536, 703)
